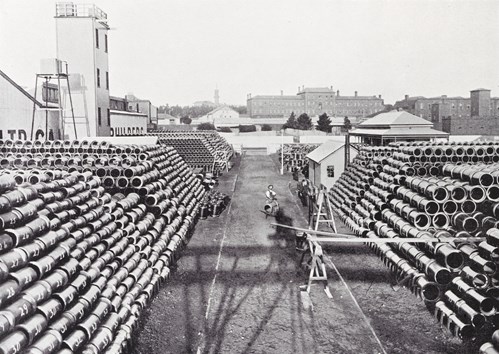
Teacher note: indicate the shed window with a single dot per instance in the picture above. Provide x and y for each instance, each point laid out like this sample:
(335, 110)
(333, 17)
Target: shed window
(330, 171)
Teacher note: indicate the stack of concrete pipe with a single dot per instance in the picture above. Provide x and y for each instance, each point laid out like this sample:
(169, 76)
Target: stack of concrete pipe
(295, 155)
(79, 262)
(199, 149)
(418, 190)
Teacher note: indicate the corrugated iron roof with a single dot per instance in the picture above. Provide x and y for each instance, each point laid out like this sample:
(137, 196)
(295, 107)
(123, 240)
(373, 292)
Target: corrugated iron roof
(402, 132)
(324, 150)
(395, 118)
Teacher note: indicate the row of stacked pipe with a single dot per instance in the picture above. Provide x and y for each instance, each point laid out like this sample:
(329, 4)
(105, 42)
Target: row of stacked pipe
(430, 190)
(205, 149)
(81, 259)
(295, 155)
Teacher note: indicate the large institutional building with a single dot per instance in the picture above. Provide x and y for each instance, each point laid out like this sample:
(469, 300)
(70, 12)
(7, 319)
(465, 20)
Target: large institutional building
(313, 101)
(479, 104)
(476, 115)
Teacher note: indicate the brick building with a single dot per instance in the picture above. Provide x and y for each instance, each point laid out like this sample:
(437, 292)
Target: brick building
(483, 118)
(313, 101)
(435, 107)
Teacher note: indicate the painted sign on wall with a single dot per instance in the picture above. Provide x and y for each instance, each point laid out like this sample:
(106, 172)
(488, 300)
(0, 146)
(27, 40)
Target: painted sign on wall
(126, 124)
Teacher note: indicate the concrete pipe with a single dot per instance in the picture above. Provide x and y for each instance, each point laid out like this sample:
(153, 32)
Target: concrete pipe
(464, 222)
(484, 304)
(479, 281)
(440, 221)
(462, 308)
(488, 348)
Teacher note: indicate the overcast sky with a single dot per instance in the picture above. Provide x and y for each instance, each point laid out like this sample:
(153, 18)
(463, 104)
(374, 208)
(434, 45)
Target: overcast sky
(178, 51)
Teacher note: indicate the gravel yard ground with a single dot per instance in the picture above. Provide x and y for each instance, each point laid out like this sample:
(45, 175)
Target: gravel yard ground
(236, 289)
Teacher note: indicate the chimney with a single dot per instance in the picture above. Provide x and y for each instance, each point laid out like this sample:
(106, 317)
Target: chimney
(282, 93)
(355, 93)
(406, 97)
(216, 97)
(298, 89)
(338, 93)
(331, 88)
(303, 87)
(379, 96)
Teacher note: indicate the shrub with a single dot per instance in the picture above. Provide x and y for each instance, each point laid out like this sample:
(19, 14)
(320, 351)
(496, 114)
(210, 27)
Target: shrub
(206, 126)
(247, 128)
(185, 120)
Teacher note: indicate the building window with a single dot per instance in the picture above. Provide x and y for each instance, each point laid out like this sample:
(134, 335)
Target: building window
(99, 116)
(98, 77)
(107, 80)
(330, 171)
(108, 117)
(105, 43)
(96, 38)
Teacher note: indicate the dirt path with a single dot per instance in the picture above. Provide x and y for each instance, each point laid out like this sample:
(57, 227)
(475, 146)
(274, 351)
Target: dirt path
(236, 289)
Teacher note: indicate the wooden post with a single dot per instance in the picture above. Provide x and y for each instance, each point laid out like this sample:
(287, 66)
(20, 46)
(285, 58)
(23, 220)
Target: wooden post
(347, 149)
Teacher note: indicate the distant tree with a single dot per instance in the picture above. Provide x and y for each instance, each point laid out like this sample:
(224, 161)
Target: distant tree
(164, 109)
(304, 122)
(185, 120)
(266, 128)
(239, 109)
(175, 111)
(291, 122)
(197, 111)
(347, 125)
(324, 123)
(225, 130)
(206, 126)
(247, 128)
(190, 111)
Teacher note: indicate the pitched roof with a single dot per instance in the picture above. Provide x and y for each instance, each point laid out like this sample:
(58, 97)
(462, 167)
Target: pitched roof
(165, 116)
(316, 90)
(284, 97)
(339, 98)
(397, 118)
(23, 91)
(416, 132)
(219, 108)
(324, 150)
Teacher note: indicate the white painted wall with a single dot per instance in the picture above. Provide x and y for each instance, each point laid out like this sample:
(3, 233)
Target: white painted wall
(318, 172)
(123, 124)
(319, 139)
(272, 143)
(16, 112)
(76, 45)
(222, 114)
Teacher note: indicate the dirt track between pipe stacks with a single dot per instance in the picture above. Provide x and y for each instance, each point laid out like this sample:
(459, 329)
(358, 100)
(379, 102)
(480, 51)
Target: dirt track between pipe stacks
(236, 289)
